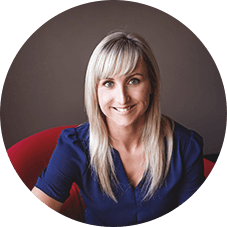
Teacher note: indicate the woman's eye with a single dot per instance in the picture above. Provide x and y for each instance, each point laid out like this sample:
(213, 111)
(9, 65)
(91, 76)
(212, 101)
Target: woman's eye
(108, 84)
(134, 81)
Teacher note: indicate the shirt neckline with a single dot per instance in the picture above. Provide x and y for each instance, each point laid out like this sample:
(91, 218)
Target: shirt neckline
(122, 176)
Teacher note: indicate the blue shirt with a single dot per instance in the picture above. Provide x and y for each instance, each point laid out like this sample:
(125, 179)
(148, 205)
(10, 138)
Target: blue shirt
(70, 163)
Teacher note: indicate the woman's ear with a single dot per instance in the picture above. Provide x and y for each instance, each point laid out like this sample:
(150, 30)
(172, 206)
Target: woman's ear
(95, 95)
(95, 99)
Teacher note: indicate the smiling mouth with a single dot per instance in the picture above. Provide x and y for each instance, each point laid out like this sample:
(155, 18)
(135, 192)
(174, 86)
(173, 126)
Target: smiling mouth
(123, 109)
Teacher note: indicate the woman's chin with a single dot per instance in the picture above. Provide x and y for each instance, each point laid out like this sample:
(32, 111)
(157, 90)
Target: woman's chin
(125, 122)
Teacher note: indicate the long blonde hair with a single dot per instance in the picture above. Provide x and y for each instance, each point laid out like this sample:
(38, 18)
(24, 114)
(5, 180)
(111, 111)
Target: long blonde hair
(120, 52)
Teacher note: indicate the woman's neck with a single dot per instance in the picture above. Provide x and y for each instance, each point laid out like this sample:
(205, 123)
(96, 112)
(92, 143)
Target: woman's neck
(126, 138)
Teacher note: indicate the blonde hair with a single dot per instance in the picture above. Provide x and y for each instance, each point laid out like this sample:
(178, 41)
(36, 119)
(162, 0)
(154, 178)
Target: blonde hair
(121, 52)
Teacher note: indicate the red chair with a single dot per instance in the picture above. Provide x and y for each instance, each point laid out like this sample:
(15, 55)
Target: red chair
(32, 154)
(208, 166)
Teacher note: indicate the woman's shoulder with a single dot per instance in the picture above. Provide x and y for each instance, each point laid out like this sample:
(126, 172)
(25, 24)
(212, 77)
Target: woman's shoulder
(76, 136)
(81, 132)
(183, 133)
(186, 139)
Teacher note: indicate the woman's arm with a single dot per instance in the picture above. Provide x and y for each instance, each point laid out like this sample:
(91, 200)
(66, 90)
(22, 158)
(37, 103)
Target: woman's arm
(52, 203)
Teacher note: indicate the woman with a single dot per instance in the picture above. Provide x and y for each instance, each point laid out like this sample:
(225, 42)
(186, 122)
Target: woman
(131, 163)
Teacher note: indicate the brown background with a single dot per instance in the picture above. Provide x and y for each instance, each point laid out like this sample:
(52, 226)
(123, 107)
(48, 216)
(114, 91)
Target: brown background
(44, 85)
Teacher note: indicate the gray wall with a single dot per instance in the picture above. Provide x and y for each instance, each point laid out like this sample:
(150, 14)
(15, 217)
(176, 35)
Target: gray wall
(44, 85)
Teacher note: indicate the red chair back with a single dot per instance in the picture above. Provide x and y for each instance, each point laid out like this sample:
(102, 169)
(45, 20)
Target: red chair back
(208, 166)
(32, 154)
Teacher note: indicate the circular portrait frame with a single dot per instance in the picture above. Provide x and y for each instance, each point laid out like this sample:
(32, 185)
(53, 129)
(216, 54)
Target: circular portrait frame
(200, 212)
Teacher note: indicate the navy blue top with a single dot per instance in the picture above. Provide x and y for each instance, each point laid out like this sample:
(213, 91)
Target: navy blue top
(70, 163)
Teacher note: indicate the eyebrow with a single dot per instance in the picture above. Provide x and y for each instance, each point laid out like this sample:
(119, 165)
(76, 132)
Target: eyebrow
(129, 76)
(134, 75)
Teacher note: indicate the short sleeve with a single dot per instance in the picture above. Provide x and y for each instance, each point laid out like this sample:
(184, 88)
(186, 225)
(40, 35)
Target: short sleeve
(193, 170)
(67, 165)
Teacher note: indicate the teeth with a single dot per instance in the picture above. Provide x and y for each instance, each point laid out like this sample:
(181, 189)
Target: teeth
(122, 110)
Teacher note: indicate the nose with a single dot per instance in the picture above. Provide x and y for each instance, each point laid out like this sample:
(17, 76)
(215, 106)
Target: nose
(121, 95)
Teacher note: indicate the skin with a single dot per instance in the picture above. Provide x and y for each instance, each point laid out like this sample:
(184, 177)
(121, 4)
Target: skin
(52, 203)
(124, 101)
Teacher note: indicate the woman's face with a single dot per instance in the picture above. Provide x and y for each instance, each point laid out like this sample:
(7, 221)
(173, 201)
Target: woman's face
(124, 99)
